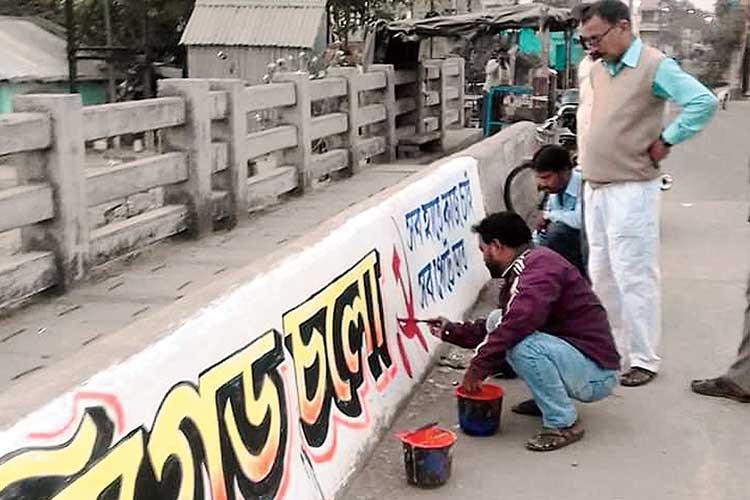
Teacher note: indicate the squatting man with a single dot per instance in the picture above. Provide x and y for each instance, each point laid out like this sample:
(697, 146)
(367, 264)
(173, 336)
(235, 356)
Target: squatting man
(550, 327)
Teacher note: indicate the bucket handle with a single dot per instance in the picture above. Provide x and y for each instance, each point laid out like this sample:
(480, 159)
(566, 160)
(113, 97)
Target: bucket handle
(403, 434)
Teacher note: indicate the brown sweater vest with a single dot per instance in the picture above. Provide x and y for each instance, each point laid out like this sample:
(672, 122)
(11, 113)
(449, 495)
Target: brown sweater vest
(625, 120)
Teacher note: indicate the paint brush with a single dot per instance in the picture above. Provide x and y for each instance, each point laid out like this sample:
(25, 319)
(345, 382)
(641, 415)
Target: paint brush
(427, 426)
(425, 321)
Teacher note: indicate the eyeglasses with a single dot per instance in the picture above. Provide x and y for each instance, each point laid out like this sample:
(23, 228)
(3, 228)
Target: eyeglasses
(594, 41)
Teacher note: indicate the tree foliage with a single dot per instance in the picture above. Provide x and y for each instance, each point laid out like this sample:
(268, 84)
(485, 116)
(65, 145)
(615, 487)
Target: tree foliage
(350, 15)
(723, 36)
(165, 21)
(47, 9)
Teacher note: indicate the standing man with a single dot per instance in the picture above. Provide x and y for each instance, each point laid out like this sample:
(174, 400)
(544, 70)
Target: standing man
(552, 330)
(560, 228)
(620, 159)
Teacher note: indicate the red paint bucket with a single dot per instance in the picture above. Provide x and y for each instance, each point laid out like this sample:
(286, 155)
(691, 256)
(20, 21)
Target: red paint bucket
(479, 413)
(428, 456)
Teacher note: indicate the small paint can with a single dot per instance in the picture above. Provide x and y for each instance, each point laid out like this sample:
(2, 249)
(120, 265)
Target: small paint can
(479, 413)
(428, 456)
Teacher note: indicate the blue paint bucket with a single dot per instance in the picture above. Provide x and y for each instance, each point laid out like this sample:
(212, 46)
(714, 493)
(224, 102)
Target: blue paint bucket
(479, 413)
(428, 456)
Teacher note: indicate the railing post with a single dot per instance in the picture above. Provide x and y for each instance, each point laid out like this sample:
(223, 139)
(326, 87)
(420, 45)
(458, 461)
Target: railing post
(233, 131)
(62, 166)
(461, 91)
(422, 89)
(194, 139)
(351, 75)
(389, 101)
(444, 81)
(299, 115)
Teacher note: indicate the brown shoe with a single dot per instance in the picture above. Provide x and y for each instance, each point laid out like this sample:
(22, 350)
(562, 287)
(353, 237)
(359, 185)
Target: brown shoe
(554, 439)
(720, 387)
(637, 376)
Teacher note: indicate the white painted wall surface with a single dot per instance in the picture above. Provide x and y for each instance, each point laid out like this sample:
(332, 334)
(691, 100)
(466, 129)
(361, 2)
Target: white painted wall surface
(239, 383)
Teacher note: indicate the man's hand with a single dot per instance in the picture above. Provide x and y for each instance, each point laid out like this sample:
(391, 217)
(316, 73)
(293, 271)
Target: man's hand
(438, 326)
(658, 151)
(542, 225)
(471, 384)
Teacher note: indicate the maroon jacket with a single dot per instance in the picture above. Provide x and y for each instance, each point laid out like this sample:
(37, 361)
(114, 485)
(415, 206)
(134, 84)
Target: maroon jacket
(541, 292)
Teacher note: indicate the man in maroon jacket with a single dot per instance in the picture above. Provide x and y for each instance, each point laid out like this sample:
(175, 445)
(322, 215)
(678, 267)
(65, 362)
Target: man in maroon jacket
(553, 331)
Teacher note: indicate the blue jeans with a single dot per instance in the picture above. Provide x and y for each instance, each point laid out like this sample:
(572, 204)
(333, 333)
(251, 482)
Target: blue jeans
(564, 240)
(557, 373)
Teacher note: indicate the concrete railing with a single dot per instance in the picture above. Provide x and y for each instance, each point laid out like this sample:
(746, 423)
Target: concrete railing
(429, 101)
(213, 163)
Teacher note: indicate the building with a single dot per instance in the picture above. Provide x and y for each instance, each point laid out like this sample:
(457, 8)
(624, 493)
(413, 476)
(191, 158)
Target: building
(33, 59)
(421, 8)
(239, 38)
(650, 20)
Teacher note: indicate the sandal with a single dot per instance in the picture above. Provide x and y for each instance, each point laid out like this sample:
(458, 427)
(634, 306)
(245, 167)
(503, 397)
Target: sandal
(637, 376)
(554, 439)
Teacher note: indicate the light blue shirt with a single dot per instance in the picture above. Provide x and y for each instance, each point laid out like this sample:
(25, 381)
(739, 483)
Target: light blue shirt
(564, 207)
(671, 82)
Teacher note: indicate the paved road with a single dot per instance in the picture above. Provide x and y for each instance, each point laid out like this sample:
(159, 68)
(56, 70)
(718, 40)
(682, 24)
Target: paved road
(653, 443)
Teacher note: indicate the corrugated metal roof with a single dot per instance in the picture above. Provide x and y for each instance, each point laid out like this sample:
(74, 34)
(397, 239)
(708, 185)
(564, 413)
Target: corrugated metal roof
(256, 23)
(30, 53)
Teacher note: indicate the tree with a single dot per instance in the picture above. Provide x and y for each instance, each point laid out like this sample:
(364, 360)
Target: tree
(163, 22)
(723, 36)
(350, 15)
(47, 9)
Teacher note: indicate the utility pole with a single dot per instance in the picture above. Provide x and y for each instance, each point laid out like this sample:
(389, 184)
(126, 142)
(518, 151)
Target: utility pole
(147, 90)
(743, 61)
(71, 32)
(110, 69)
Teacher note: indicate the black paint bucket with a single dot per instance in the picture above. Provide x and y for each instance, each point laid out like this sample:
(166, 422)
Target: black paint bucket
(428, 456)
(479, 413)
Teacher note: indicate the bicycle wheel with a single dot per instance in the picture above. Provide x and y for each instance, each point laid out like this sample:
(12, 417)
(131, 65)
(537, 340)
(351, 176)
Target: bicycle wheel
(521, 195)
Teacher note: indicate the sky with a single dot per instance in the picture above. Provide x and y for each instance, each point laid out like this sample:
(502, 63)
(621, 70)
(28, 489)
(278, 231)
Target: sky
(707, 5)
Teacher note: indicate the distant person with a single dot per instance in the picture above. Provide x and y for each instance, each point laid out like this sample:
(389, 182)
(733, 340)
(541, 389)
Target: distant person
(620, 158)
(560, 227)
(551, 328)
(735, 383)
(496, 71)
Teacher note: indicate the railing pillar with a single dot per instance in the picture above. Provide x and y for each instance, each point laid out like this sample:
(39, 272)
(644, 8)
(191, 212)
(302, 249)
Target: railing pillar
(299, 115)
(352, 77)
(388, 130)
(67, 235)
(232, 130)
(461, 82)
(194, 139)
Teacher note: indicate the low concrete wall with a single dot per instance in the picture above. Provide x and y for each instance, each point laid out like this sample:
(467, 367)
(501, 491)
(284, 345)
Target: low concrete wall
(273, 383)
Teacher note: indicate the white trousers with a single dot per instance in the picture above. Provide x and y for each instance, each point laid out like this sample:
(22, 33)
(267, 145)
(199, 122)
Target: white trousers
(622, 226)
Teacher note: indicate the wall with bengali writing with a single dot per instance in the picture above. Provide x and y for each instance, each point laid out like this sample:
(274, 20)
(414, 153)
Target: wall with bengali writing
(279, 387)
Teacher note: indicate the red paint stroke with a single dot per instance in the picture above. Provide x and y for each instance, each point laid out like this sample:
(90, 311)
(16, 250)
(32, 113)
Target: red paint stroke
(108, 401)
(407, 326)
